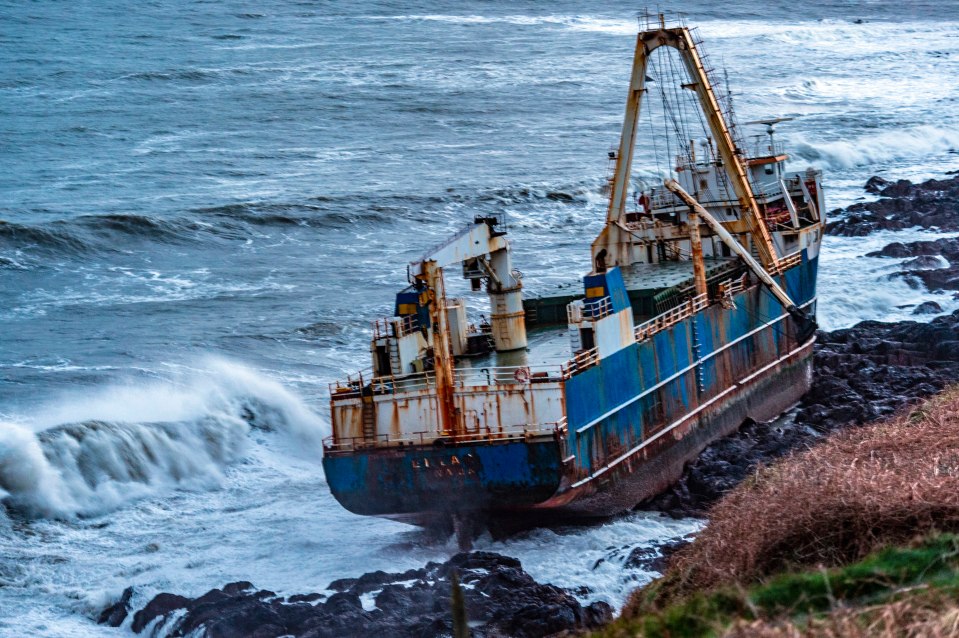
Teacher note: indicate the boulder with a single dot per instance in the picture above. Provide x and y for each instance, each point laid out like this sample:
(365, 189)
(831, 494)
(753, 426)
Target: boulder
(115, 614)
(501, 599)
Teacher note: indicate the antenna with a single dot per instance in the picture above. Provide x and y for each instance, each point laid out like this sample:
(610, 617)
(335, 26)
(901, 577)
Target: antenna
(770, 124)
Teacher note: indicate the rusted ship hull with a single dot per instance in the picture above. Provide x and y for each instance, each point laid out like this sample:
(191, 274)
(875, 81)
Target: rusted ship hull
(649, 471)
(632, 421)
(697, 314)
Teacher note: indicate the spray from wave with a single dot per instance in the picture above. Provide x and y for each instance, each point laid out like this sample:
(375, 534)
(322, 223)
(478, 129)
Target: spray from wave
(917, 141)
(85, 456)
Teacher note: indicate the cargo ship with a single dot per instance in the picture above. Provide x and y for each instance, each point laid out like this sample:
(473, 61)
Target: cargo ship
(698, 314)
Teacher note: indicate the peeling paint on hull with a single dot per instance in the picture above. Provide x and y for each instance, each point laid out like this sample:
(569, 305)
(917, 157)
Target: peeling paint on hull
(634, 420)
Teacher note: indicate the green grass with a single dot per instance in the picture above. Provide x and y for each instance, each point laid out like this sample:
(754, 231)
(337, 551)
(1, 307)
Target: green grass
(929, 565)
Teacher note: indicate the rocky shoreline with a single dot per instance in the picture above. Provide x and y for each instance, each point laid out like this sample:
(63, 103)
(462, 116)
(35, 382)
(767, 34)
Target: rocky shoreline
(931, 205)
(500, 598)
(862, 374)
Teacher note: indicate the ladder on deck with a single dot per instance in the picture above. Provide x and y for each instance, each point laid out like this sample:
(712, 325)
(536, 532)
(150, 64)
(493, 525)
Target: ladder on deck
(369, 419)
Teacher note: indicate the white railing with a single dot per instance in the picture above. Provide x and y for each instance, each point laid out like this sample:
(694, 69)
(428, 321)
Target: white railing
(356, 384)
(430, 437)
(764, 148)
(395, 326)
(733, 286)
(581, 361)
(671, 317)
(507, 375)
(597, 309)
(359, 384)
(785, 263)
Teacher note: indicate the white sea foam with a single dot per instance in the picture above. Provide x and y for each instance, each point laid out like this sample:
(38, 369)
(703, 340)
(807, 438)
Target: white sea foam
(879, 148)
(854, 288)
(88, 454)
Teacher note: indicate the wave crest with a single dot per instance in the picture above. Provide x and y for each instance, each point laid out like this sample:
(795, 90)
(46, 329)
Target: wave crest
(879, 148)
(88, 456)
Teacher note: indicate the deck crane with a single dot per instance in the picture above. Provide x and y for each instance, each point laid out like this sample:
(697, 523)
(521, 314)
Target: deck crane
(483, 249)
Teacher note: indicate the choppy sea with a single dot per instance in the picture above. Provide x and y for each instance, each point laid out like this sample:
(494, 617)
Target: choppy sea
(203, 205)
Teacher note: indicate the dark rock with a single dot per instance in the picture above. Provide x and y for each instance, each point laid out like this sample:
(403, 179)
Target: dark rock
(232, 589)
(115, 614)
(927, 308)
(926, 269)
(922, 262)
(501, 600)
(161, 605)
(342, 584)
(654, 557)
(875, 184)
(931, 204)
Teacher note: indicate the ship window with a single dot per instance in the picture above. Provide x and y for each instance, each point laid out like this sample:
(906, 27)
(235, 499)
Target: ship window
(725, 250)
(649, 253)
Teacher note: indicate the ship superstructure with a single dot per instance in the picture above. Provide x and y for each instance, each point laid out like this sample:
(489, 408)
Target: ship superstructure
(697, 315)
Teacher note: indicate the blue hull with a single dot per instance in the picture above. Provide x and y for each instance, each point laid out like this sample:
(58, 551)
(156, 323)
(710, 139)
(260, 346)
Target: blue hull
(447, 479)
(633, 420)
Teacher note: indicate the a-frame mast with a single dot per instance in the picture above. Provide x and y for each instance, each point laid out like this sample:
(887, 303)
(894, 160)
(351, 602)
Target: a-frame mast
(614, 239)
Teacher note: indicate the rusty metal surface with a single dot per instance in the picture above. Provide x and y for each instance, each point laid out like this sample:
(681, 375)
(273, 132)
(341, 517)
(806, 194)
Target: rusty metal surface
(446, 479)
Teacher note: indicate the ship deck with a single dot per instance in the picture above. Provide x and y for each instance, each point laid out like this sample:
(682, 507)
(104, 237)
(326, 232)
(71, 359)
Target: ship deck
(646, 284)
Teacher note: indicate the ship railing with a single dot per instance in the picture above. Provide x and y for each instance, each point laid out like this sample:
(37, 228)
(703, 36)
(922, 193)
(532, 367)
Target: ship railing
(353, 382)
(671, 317)
(762, 147)
(598, 308)
(661, 199)
(582, 360)
(432, 437)
(730, 287)
(395, 326)
(649, 21)
(360, 384)
(507, 375)
(785, 263)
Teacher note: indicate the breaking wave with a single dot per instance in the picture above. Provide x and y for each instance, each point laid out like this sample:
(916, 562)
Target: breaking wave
(879, 148)
(85, 456)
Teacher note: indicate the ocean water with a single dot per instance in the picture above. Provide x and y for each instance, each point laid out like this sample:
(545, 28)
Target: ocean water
(203, 205)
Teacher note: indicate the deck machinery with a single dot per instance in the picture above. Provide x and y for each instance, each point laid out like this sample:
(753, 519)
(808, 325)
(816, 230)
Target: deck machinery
(699, 313)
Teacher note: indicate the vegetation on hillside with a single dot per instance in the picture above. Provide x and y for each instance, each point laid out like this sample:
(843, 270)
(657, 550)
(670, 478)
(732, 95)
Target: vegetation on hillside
(852, 537)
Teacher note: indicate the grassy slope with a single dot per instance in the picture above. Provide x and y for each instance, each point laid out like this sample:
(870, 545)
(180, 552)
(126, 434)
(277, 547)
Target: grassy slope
(850, 538)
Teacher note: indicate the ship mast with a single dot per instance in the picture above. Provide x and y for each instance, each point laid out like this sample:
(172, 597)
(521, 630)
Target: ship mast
(611, 246)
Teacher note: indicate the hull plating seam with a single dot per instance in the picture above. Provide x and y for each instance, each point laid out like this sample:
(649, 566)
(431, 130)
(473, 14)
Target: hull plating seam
(693, 365)
(686, 416)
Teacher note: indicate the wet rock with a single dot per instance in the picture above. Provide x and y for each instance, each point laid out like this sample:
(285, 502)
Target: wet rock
(927, 267)
(875, 184)
(654, 557)
(922, 262)
(501, 600)
(161, 605)
(862, 373)
(902, 204)
(115, 614)
(927, 308)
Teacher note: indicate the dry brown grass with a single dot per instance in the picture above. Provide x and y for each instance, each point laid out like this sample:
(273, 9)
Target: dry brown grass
(903, 619)
(858, 491)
